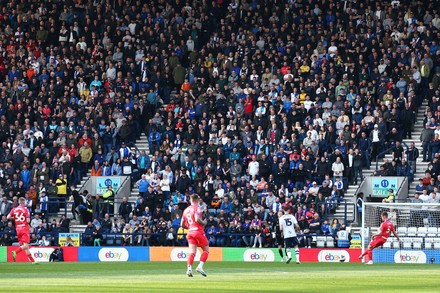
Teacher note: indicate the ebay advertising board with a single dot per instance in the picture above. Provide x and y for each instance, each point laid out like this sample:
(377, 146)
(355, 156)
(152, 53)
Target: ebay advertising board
(42, 254)
(113, 254)
(406, 256)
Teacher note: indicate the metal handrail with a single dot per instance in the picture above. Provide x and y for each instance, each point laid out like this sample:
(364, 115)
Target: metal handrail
(340, 201)
(387, 151)
(123, 182)
(400, 187)
(407, 148)
(84, 184)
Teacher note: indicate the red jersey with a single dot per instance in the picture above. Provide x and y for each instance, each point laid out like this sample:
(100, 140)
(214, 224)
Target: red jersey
(386, 228)
(20, 214)
(189, 218)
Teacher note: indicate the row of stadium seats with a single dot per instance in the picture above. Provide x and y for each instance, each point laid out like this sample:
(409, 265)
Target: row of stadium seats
(418, 231)
(325, 241)
(413, 243)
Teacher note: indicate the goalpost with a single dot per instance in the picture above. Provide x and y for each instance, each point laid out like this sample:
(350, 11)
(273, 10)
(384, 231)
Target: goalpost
(417, 225)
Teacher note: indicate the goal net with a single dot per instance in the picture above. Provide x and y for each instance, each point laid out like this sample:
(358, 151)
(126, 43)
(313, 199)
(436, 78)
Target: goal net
(417, 225)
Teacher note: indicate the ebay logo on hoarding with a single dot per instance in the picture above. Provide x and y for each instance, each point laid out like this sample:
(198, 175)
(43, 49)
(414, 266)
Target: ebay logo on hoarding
(258, 255)
(181, 254)
(41, 254)
(333, 256)
(408, 256)
(113, 254)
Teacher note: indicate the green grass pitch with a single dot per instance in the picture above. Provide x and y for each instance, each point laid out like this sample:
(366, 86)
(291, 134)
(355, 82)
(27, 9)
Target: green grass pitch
(222, 277)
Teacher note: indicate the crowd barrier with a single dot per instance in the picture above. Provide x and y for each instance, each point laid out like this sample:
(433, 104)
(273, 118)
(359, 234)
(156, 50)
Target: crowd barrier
(127, 253)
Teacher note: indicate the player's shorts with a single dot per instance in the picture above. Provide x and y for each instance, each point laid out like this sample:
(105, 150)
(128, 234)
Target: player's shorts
(23, 235)
(378, 241)
(197, 238)
(291, 242)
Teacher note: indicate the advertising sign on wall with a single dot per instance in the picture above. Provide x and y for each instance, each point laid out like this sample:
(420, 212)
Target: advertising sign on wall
(42, 254)
(181, 254)
(406, 256)
(381, 186)
(103, 182)
(3, 254)
(113, 254)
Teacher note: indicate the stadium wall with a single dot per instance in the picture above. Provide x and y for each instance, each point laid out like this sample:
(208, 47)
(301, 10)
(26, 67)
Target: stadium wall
(123, 254)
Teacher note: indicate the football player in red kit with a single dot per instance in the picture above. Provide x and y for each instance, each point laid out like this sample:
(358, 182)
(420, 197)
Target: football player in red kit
(379, 238)
(21, 218)
(192, 220)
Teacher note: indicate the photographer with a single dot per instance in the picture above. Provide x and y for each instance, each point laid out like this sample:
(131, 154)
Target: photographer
(56, 255)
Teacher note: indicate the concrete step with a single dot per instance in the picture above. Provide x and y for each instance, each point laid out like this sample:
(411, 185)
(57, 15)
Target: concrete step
(77, 228)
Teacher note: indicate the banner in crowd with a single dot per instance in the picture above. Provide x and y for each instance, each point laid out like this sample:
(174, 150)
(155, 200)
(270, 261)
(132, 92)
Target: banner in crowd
(356, 241)
(381, 186)
(181, 254)
(113, 254)
(62, 238)
(103, 182)
(406, 256)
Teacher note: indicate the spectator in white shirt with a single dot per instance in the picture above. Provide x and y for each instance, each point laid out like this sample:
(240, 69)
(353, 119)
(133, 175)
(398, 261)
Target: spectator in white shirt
(338, 168)
(254, 166)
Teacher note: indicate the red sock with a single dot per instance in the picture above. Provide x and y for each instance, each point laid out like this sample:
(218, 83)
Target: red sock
(30, 258)
(19, 250)
(370, 254)
(191, 259)
(204, 256)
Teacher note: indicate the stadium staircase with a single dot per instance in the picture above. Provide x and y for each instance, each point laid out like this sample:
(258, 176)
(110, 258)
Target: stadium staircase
(421, 166)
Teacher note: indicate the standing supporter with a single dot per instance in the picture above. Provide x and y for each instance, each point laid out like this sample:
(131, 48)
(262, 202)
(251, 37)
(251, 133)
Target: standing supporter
(209, 80)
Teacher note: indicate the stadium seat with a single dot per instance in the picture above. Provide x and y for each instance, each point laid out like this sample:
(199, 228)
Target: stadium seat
(320, 241)
(417, 243)
(406, 242)
(437, 244)
(422, 231)
(396, 244)
(110, 240)
(387, 244)
(330, 242)
(402, 231)
(429, 242)
(412, 231)
(432, 232)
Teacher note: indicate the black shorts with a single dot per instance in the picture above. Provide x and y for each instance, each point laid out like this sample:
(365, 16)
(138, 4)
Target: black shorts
(291, 242)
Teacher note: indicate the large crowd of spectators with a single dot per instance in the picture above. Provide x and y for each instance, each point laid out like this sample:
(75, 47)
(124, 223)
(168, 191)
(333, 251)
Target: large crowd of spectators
(251, 104)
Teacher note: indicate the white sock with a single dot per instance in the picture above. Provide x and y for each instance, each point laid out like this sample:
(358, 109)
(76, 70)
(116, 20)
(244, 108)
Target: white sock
(189, 267)
(289, 254)
(200, 266)
(297, 254)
